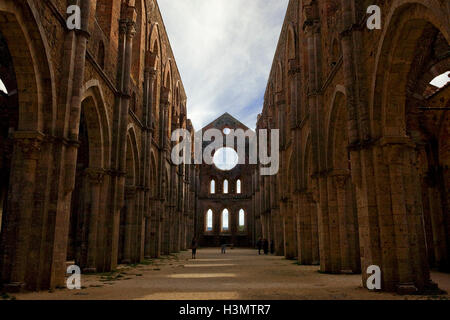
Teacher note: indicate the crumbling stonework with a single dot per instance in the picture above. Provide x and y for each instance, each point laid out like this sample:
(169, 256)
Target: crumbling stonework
(85, 140)
(364, 176)
(86, 175)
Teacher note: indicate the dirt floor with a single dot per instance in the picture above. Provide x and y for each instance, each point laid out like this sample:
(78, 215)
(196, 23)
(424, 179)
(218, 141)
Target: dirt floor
(239, 274)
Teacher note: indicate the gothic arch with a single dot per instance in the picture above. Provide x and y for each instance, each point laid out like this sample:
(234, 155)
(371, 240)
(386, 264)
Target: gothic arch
(98, 124)
(153, 175)
(29, 49)
(133, 163)
(403, 28)
(155, 45)
(291, 43)
(279, 85)
(338, 103)
(139, 40)
(307, 168)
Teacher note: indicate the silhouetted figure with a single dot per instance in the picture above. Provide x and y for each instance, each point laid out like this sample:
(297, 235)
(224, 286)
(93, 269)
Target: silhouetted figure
(259, 244)
(194, 246)
(272, 247)
(223, 246)
(266, 246)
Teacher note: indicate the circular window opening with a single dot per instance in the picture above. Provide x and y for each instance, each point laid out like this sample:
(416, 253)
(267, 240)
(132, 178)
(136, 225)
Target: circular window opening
(226, 159)
(227, 131)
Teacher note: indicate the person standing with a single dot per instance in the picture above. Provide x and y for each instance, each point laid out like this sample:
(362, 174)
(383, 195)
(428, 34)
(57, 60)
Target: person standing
(259, 245)
(224, 247)
(194, 246)
(266, 246)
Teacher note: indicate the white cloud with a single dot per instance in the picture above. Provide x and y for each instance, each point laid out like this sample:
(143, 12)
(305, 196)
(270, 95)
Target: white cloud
(224, 50)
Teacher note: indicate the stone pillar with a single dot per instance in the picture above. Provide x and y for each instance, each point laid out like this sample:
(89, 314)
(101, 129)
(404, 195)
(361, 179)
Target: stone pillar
(313, 209)
(95, 179)
(332, 229)
(130, 204)
(304, 231)
(148, 232)
(18, 226)
(413, 272)
(325, 246)
(288, 223)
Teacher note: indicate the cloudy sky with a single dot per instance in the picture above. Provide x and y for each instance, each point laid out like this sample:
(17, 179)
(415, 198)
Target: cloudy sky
(224, 50)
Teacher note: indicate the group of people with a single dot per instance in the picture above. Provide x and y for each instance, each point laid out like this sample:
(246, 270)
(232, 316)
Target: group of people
(263, 244)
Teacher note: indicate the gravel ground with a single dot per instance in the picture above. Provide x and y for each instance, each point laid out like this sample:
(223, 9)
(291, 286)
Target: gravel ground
(239, 274)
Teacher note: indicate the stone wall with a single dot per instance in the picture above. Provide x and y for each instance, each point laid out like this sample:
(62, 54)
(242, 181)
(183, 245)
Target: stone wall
(363, 147)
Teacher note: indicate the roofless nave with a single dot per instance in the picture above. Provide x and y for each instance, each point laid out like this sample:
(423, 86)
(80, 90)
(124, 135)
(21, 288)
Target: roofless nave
(87, 117)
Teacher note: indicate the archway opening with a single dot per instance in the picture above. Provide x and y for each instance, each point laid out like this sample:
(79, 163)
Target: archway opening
(9, 120)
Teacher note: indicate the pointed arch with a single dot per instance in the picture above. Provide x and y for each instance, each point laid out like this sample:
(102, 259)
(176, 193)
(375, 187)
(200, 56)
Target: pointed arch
(133, 163)
(337, 121)
(98, 121)
(225, 220)
(212, 186)
(139, 41)
(209, 221)
(404, 24)
(291, 43)
(225, 186)
(238, 186)
(242, 223)
(29, 49)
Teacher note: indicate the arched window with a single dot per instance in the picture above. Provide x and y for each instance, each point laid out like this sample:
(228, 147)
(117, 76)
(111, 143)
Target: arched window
(209, 220)
(241, 220)
(212, 188)
(225, 220)
(238, 186)
(225, 186)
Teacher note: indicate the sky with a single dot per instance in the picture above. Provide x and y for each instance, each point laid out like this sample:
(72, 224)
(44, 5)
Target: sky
(224, 51)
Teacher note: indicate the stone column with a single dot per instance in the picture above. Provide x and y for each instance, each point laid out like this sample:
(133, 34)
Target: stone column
(348, 224)
(130, 196)
(148, 232)
(95, 179)
(289, 236)
(412, 268)
(313, 209)
(18, 226)
(332, 229)
(304, 231)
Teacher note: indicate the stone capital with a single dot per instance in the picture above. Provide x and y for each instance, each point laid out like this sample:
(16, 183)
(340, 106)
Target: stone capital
(95, 175)
(29, 143)
(130, 191)
(166, 97)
